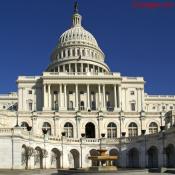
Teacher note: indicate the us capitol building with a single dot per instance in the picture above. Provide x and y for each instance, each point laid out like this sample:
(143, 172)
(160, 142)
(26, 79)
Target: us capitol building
(78, 105)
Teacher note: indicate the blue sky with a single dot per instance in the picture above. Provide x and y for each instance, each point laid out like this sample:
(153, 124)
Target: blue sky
(137, 42)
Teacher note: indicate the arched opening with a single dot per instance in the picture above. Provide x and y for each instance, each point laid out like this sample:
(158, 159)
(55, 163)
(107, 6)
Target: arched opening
(38, 158)
(132, 130)
(114, 152)
(153, 157)
(94, 152)
(68, 129)
(90, 130)
(24, 158)
(24, 125)
(74, 159)
(55, 158)
(133, 158)
(112, 130)
(82, 106)
(170, 156)
(71, 105)
(153, 128)
(47, 126)
(93, 105)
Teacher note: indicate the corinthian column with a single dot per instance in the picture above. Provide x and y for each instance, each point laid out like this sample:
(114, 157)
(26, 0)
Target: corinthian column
(76, 97)
(88, 99)
(104, 98)
(115, 98)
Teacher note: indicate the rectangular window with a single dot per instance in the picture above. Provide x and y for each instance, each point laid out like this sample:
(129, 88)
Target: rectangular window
(132, 92)
(30, 91)
(133, 108)
(30, 106)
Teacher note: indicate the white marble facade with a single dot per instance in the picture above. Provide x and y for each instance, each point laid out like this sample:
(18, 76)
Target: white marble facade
(76, 100)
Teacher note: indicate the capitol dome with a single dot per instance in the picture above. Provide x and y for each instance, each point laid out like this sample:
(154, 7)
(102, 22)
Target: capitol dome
(77, 44)
(77, 34)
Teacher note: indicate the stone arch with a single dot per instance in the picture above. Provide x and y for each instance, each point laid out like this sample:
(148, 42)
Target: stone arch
(153, 128)
(170, 156)
(114, 152)
(48, 127)
(152, 120)
(133, 158)
(132, 121)
(132, 129)
(152, 157)
(111, 130)
(74, 158)
(24, 158)
(94, 152)
(68, 121)
(24, 125)
(38, 158)
(69, 130)
(55, 158)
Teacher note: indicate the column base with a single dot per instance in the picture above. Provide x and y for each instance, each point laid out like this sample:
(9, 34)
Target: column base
(116, 109)
(103, 109)
(46, 109)
(76, 108)
(62, 109)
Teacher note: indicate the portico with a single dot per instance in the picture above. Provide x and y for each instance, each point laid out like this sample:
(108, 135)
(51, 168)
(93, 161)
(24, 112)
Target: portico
(83, 97)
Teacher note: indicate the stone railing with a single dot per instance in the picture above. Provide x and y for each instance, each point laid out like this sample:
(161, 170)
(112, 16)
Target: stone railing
(19, 132)
(160, 96)
(81, 73)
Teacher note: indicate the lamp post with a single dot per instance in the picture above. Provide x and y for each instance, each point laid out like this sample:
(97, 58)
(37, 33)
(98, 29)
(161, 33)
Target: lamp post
(29, 128)
(82, 136)
(123, 134)
(144, 134)
(45, 132)
(17, 125)
(162, 128)
(102, 136)
(62, 136)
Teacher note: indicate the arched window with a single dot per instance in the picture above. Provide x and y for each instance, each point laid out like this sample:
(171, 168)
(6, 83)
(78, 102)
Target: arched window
(112, 130)
(64, 53)
(69, 53)
(71, 106)
(73, 52)
(30, 105)
(59, 55)
(132, 129)
(68, 129)
(108, 104)
(93, 107)
(83, 52)
(92, 54)
(133, 106)
(153, 128)
(78, 52)
(47, 127)
(24, 125)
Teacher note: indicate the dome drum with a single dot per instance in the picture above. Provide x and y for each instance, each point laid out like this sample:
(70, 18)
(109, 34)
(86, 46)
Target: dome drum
(78, 67)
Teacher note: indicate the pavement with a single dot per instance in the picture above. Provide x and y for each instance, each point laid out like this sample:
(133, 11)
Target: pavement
(55, 172)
